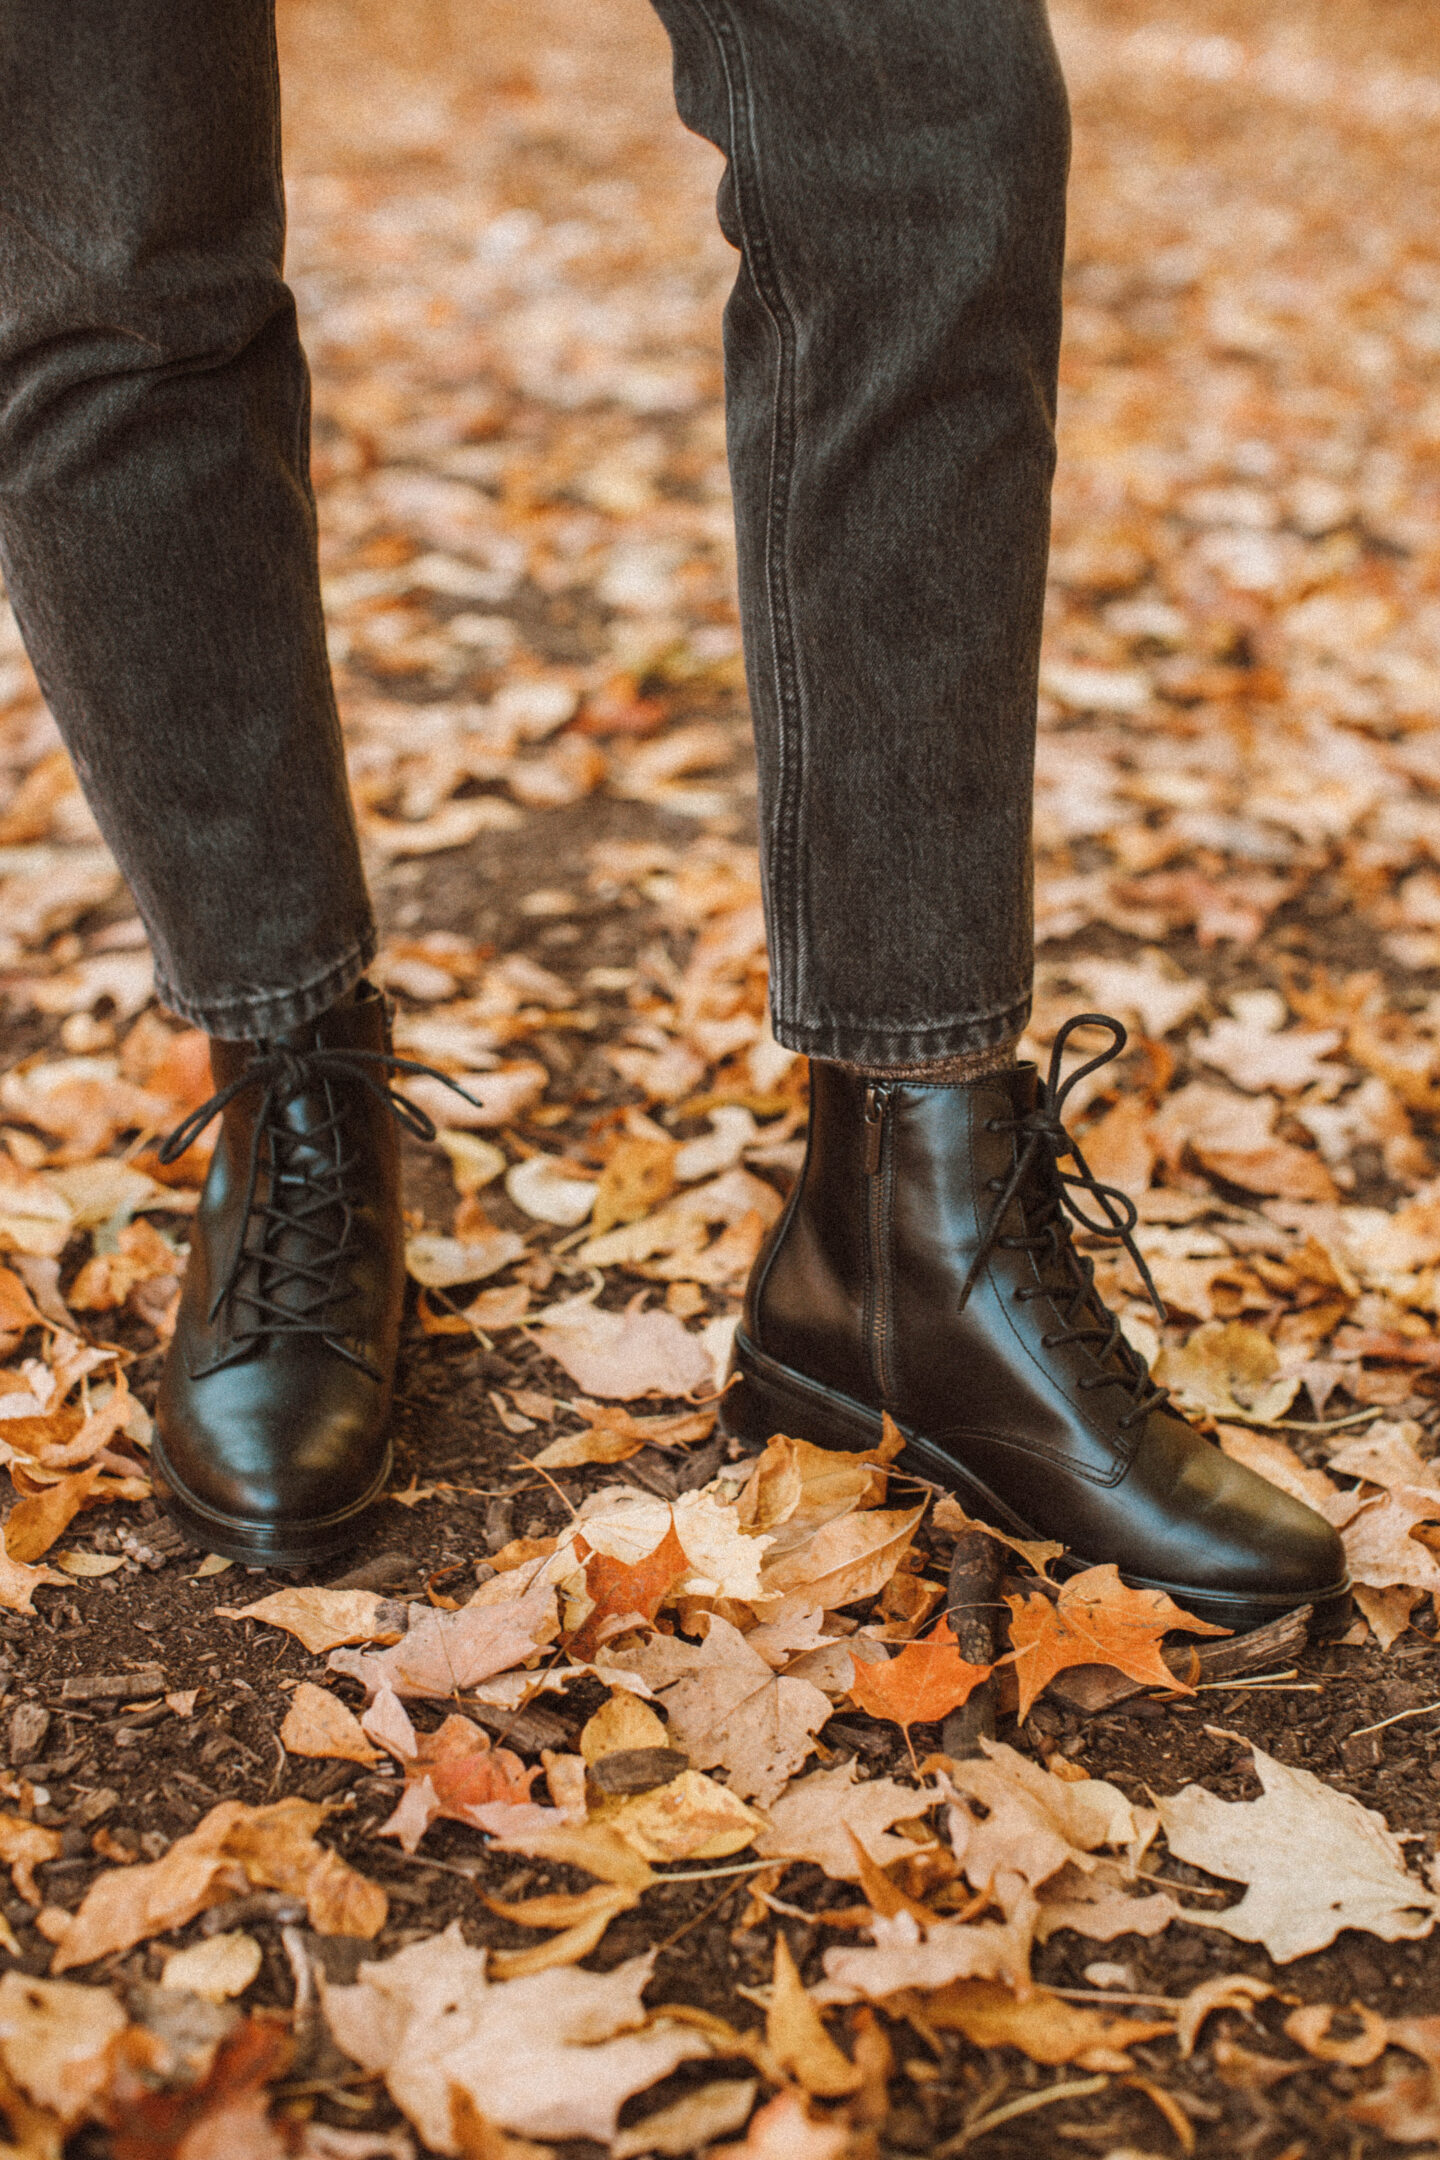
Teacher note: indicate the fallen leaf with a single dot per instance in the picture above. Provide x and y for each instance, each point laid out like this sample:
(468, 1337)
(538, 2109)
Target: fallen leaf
(614, 1434)
(217, 1967)
(1043, 2026)
(623, 1355)
(1382, 1547)
(817, 1816)
(621, 1589)
(1313, 2028)
(55, 2041)
(321, 1619)
(1225, 1991)
(457, 1773)
(796, 2035)
(473, 1163)
(87, 1565)
(24, 1845)
(638, 1177)
(232, 1848)
(18, 1583)
(317, 1723)
(1228, 1370)
(33, 1524)
(903, 1957)
(580, 1918)
(1034, 1824)
(553, 2056)
(622, 1722)
(926, 1681)
(691, 2123)
(1313, 1859)
(501, 1095)
(733, 1711)
(951, 1517)
(783, 2130)
(848, 1559)
(439, 1262)
(1097, 1620)
(691, 1818)
(446, 1652)
(549, 1190)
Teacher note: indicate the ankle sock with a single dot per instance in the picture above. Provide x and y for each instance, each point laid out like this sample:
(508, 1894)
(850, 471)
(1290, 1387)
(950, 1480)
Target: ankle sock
(946, 1072)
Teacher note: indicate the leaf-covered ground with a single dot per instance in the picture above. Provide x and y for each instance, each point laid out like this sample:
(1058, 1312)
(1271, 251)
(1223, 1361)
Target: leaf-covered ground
(510, 279)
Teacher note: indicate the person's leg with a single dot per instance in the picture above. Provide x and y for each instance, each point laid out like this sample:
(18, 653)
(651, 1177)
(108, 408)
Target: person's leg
(895, 184)
(157, 532)
(157, 537)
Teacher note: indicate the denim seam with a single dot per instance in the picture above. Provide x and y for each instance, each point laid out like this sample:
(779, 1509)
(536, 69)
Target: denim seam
(265, 1010)
(784, 880)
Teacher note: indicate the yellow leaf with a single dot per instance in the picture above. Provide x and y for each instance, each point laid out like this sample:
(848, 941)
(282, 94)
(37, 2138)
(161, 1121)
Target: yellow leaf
(796, 2034)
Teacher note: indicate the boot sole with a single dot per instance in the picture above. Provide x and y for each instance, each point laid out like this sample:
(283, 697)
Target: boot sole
(769, 1398)
(256, 1544)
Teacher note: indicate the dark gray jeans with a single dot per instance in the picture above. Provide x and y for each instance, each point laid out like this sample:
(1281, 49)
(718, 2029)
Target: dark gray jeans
(895, 186)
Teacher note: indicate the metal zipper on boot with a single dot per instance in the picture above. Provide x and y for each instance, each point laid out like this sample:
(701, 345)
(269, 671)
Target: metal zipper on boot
(877, 1102)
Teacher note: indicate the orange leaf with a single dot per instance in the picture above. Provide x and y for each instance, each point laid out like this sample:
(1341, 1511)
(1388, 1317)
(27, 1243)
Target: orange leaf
(1097, 1620)
(925, 1682)
(618, 1587)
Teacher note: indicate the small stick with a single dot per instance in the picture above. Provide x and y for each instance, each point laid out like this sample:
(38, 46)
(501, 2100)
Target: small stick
(972, 1603)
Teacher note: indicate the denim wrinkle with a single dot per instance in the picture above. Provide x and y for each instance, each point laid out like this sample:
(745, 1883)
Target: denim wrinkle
(894, 185)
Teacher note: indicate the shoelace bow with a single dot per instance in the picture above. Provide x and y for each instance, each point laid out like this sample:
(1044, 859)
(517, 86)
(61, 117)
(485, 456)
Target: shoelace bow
(307, 1187)
(1046, 1142)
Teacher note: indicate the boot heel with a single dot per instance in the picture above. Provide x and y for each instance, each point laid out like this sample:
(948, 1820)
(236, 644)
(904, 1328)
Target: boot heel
(763, 1399)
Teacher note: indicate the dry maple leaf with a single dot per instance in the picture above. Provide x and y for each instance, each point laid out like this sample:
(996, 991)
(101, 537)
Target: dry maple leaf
(1229, 1370)
(1315, 1861)
(1097, 1620)
(1381, 1544)
(624, 1355)
(692, 2123)
(816, 1817)
(323, 1619)
(446, 1652)
(459, 1774)
(621, 1590)
(232, 1848)
(317, 1723)
(904, 1956)
(35, 1522)
(554, 2055)
(848, 1559)
(690, 1818)
(731, 1710)
(924, 1683)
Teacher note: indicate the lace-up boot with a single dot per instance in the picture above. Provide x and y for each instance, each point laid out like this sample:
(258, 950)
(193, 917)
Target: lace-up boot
(924, 1266)
(271, 1423)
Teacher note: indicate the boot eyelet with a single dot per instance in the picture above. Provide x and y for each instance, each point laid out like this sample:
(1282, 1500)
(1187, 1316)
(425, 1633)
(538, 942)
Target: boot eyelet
(1047, 1342)
(992, 1124)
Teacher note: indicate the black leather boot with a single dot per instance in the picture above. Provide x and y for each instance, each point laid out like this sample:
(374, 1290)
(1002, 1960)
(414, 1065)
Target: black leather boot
(924, 1266)
(270, 1438)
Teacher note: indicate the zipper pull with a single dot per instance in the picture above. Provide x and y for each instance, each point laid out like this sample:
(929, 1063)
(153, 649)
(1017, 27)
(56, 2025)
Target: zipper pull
(875, 1101)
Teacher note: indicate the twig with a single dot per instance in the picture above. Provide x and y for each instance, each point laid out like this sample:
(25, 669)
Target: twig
(1420, 1710)
(972, 1602)
(713, 1907)
(1070, 2089)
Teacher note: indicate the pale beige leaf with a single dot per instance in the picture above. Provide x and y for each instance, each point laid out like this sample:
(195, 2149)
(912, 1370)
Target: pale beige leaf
(733, 1712)
(217, 1967)
(55, 2040)
(321, 1619)
(690, 2123)
(1229, 1370)
(1313, 1859)
(1381, 1546)
(554, 2055)
(847, 1559)
(445, 1652)
(784, 2130)
(811, 1819)
(691, 1818)
(439, 1262)
(317, 1723)
(548, 1191)
(621, 1355)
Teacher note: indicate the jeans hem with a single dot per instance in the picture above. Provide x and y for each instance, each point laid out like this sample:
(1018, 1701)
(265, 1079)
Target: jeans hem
(848, 1044)
(246, 1019)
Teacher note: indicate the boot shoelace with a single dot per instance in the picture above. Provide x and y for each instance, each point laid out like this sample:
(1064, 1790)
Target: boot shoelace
(1044, 1143)
(308, 1191)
